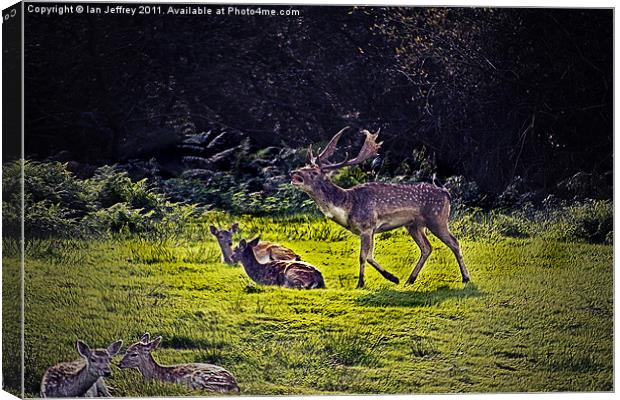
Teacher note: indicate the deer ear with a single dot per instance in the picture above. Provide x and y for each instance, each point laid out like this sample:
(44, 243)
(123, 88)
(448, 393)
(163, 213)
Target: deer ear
(213, 229)
(115, 347)
(83, 349)
(155, 343)
(145, 338)
(254, 241)
(234, 227)
(242, 244)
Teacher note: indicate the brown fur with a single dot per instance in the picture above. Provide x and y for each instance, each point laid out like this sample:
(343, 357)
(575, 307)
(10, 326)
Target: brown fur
(208, 377)
(286, 273)
(81, 378)
(264, 251)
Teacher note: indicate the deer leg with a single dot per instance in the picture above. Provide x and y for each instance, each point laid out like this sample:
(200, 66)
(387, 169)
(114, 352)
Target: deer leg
(366, 245)
(102, 389)
(417, 233)
(371, 260)
(443, 233)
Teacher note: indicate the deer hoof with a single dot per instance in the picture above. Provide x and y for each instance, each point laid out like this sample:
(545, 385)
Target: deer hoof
(393, 279)
(410, 281)
(465, 279)
(360, 285)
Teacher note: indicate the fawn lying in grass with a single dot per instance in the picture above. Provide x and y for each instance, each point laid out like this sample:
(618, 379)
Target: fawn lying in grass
(264, 251)
(286, 273)
(81, 378)
(197, 376)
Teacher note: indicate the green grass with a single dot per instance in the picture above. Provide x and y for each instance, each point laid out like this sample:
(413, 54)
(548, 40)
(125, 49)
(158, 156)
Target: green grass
(537, 316)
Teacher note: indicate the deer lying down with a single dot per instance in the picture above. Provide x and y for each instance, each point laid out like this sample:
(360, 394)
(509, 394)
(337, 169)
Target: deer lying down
(82, 378)
(372, 208)
(286, 273)
(207, 377)
(264, 251)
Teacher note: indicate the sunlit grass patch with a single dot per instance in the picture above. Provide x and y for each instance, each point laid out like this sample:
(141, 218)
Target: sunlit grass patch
(537, 315)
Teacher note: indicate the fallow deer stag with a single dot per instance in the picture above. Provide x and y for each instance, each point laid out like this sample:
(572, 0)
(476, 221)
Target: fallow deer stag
(264, 251)
(375, 207)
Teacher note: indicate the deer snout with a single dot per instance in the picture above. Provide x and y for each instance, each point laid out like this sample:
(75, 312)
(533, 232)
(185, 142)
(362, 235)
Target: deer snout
(297, 179)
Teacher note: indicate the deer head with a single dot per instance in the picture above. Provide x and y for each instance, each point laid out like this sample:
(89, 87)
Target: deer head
(138, 354)
(98, 360)
(224, 240)
(245, 248)
(311, 177)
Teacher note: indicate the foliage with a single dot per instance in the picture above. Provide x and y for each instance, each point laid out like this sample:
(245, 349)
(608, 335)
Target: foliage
(56, 203)
(462, 191)
(350, 176)
(589, 221)
(59, 204)
(488, 93)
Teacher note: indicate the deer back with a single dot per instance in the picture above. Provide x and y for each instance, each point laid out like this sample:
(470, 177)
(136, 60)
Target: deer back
(386, 206)
(267, 251)
(207, 377)
(299, 275)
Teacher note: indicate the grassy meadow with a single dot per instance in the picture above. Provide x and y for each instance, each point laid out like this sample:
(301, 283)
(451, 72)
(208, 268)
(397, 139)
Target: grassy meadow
(537, 316)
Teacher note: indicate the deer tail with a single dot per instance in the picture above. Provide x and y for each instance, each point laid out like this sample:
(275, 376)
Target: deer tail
(441, 186)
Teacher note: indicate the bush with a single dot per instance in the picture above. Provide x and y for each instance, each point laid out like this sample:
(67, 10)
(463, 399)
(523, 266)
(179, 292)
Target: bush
(511, 225)
(350, 176)
(515, 195)
(462, 191)
(54, 200)
(590, 221)
(187, 190)
(286, 200)
(59, 204)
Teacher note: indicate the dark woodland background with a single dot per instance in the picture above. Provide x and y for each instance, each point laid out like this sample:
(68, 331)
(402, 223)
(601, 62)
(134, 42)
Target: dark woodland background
(489, 94)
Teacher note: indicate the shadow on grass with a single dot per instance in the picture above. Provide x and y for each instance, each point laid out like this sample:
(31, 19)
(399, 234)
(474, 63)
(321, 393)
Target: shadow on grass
(412, 298)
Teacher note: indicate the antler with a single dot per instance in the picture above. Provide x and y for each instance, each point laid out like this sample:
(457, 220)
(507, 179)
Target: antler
(369, 149)
(327, 152)
(311, 157)
(331, 146)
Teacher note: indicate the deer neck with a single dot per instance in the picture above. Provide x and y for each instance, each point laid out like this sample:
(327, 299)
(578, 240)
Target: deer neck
(83, 381)
(332, 200)
(251, 265)
(152, 370)
(226, 254)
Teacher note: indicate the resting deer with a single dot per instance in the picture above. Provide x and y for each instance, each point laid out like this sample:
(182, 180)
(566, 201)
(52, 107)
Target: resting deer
(264, 251)
(372, 208)
(207, 377)
(81, 378)
(286, 273)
